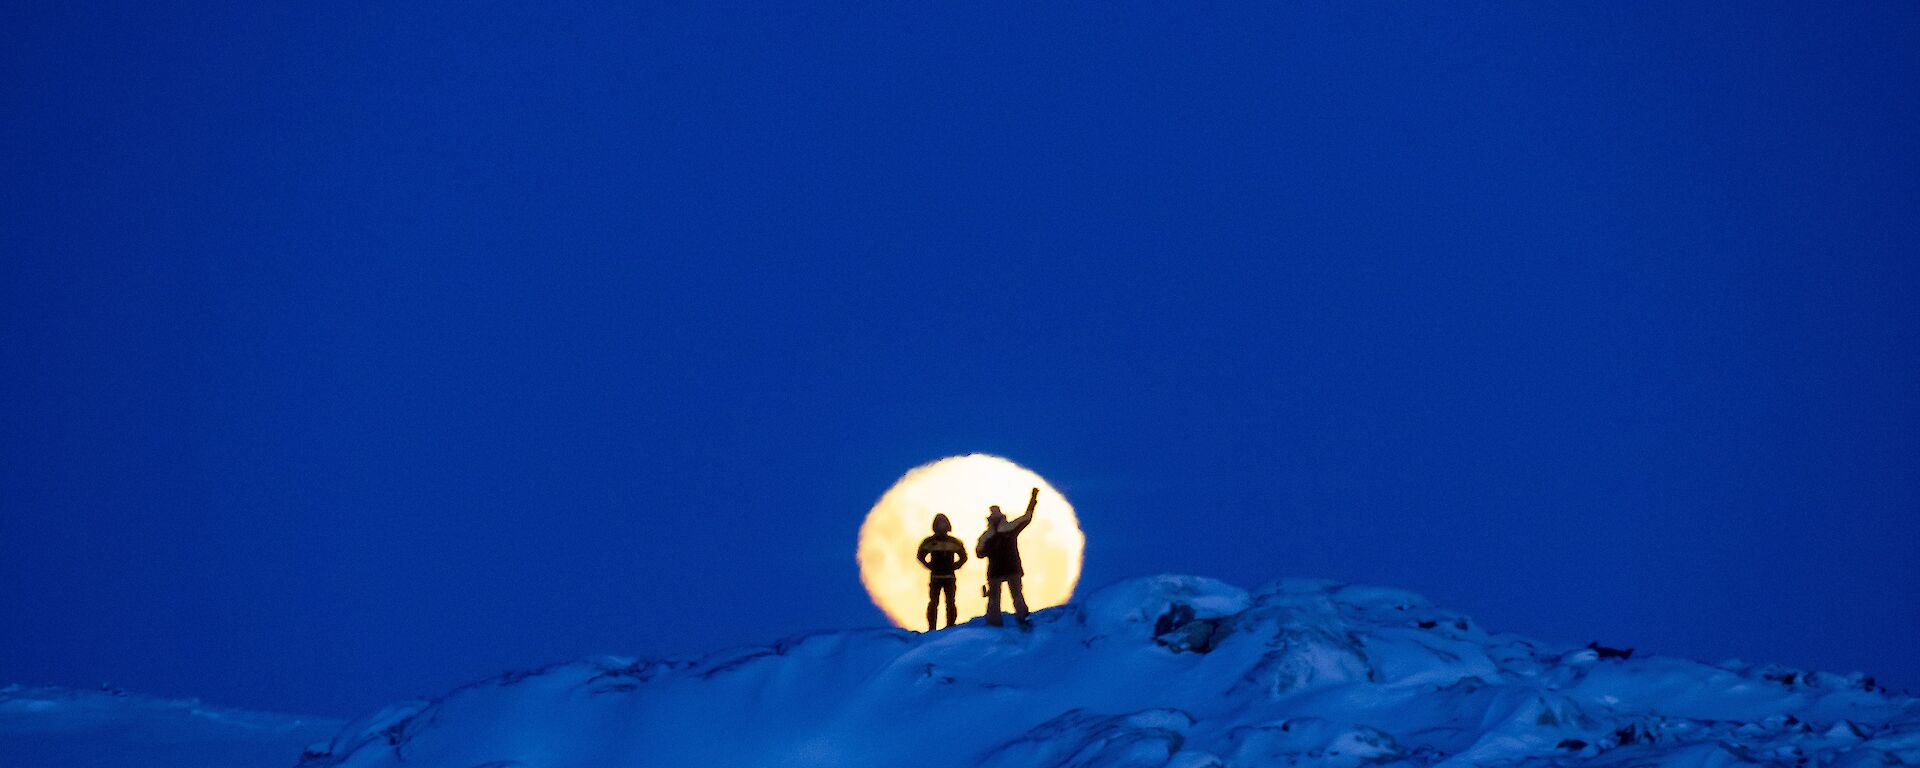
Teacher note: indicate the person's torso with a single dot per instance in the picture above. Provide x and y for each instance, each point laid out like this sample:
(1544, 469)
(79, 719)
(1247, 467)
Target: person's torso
(1003, 555)
(943, 554)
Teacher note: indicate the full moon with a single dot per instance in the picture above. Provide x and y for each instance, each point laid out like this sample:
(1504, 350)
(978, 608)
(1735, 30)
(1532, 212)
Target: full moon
(962, 487)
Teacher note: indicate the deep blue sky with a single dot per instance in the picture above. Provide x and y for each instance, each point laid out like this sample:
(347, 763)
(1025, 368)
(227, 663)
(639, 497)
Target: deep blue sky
(354, 353)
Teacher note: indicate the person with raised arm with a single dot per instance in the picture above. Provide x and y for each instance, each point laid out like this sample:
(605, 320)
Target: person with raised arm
(1000, 545)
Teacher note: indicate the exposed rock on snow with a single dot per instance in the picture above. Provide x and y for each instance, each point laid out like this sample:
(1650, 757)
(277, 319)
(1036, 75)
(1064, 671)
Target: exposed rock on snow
(1165, 671)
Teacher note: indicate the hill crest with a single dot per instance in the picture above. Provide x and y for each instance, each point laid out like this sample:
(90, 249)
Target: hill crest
(1158, 671)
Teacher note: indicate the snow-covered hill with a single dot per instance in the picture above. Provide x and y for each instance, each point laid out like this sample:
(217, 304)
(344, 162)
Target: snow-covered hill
(1165, 671)
(66, 728)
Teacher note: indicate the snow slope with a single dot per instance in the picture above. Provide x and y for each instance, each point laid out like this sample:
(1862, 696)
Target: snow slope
(1165, 671)
(65, 728)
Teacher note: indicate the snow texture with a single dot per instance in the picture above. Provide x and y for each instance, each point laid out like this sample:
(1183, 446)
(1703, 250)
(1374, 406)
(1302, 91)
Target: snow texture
(1165, 671)
(65, 728)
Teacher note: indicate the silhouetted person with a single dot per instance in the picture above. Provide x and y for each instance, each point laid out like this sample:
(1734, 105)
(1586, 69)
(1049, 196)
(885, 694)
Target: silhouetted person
(1000, 545)
(942, 555)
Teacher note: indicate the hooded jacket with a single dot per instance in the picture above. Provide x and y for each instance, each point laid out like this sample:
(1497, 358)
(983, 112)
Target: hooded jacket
(942, 554)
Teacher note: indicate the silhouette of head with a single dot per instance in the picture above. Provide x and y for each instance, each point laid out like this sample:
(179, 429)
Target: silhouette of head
(941, 524)
(994, 515)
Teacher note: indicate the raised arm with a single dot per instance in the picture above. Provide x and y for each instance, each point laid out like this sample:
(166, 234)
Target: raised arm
(1020, 522)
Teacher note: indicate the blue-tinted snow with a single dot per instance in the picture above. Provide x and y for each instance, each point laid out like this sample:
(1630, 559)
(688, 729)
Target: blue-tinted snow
(1164, 671)
(65, 728)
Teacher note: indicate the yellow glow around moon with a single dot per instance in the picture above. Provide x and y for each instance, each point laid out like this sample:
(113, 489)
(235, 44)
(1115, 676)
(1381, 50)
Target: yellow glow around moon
(963, 487)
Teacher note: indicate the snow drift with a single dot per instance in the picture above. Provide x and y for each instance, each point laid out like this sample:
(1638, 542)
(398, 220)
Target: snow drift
(66, 728)
(1165, 671)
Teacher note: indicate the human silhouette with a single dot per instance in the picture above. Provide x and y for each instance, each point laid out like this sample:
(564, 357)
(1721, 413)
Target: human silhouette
(1000, 545)
(942, 555)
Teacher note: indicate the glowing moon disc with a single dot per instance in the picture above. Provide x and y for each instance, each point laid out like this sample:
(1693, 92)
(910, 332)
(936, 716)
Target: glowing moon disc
(963, 487)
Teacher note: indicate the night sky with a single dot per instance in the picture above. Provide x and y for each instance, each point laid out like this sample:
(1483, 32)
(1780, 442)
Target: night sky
(354, 353)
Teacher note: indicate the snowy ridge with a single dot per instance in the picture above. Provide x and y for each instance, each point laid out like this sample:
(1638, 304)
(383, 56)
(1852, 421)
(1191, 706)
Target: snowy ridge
(1164, 671)
(66, 728)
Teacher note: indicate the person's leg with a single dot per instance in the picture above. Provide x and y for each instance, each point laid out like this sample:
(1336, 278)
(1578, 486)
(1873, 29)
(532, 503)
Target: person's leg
(993, 602)
(1019, 599)
(933, 598)
(953, 610)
